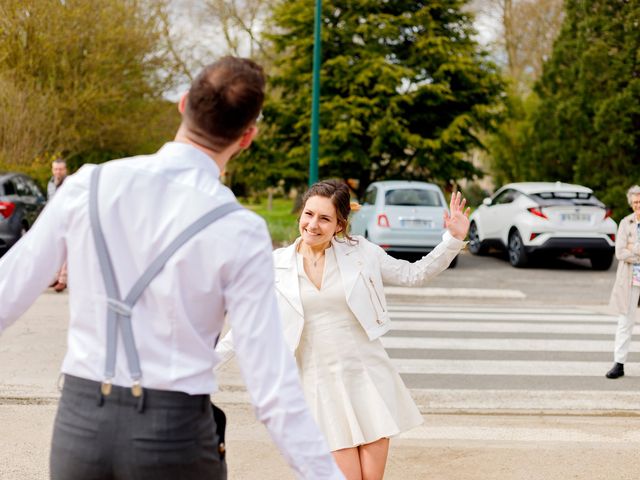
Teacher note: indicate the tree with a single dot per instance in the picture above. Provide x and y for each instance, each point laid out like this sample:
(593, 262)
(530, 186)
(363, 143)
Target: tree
(523, 36)
(587, 127)
(80, 77)
(404, 91)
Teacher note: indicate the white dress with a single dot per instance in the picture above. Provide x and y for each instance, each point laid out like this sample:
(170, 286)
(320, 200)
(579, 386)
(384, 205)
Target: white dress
(353, 390)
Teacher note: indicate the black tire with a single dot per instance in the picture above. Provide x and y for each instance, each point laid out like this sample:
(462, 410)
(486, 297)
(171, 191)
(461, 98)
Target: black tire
(601, 261)
(454, 262)
(476, 246)
(517, 254)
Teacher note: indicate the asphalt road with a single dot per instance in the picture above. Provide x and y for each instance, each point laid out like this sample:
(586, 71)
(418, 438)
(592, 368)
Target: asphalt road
(474, 386)
(569, 281)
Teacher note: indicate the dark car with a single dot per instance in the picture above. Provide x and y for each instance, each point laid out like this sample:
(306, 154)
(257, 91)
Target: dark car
(21, 201)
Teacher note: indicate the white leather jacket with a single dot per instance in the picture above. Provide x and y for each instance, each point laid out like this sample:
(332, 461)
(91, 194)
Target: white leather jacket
(364, 268)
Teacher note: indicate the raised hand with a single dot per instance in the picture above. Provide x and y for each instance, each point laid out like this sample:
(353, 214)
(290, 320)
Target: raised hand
(457, 222)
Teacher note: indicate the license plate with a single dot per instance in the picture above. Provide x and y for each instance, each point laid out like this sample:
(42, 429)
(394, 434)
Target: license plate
(575, 217)
(416, 223)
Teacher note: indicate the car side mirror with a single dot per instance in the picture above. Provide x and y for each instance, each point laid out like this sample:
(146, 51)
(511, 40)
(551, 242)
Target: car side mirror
(487, 202)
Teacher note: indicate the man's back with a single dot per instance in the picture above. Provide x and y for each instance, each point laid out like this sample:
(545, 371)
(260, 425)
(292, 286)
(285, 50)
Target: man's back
(225, 271)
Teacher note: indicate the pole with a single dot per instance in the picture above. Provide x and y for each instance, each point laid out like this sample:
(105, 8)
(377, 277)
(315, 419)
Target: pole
(315, 102)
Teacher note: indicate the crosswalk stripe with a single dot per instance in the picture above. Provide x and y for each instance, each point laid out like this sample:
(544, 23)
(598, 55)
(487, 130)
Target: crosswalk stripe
(395, 307)
(578, 328)
(426, 315)
(497, 367)
(544, 434)
(498, 344)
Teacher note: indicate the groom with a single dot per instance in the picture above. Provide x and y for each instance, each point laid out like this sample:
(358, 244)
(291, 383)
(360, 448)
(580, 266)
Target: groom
(158, 252)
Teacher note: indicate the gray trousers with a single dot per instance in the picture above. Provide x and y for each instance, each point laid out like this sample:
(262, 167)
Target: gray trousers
(171, 435)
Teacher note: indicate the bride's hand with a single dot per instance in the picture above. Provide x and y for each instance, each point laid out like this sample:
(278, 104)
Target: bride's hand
(457, 222)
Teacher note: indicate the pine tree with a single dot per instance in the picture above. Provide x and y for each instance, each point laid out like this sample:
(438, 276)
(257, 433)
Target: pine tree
(587, 126)
(404, 93)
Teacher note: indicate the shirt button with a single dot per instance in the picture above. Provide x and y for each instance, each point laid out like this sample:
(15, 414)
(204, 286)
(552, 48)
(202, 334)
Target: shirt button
(379, 322)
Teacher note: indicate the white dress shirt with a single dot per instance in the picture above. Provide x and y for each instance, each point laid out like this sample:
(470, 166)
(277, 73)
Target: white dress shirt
(144, 203)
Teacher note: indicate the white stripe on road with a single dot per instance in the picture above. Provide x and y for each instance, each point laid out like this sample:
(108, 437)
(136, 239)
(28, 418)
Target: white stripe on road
(516, 434)
(498, 344)
(499, 367)
(504, 327)
(506, 315)
(394, 307)
(455, 292)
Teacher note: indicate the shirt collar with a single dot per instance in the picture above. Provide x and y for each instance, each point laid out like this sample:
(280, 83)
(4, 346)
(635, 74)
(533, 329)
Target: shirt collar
(183, 154)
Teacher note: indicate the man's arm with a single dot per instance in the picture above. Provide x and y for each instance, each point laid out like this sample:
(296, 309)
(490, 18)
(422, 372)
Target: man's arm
(30, 265)
(267, 365)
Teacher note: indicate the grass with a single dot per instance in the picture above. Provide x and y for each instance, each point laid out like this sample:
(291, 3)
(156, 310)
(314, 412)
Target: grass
(283, 225)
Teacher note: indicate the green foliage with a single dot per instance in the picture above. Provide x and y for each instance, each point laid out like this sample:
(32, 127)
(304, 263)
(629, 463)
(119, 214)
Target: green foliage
(283, 225)
(510, 161)
(587, 126)
(404, 92)
(81, 78)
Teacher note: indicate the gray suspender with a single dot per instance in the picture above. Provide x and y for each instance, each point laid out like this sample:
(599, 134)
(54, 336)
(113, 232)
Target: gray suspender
(118, 309)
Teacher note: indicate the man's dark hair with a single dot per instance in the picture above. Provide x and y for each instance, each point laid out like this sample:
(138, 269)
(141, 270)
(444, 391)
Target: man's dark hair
(224, 100)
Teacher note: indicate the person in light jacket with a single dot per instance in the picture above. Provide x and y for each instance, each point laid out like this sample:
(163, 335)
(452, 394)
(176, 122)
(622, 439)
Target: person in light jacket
(333, 307)
(626, 289)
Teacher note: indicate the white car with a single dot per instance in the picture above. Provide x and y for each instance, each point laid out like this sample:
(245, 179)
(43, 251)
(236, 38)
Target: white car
(402, 216)
(532, 218)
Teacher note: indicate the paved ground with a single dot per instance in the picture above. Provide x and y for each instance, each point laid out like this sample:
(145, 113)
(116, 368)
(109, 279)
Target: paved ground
(455, 443)
(447, 447)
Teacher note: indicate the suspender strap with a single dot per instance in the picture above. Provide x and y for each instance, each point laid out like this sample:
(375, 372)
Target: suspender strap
(158, 264)
(110, 283)
(119, 311)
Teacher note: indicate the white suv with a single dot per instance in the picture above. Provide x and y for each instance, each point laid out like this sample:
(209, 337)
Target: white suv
(542, 217)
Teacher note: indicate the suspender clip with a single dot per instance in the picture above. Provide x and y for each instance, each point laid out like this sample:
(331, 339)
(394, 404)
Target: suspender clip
(136, 389)
(105, 388)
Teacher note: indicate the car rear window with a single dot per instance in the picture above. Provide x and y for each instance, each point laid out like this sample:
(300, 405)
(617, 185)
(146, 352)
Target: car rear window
(567, 198)
(413, 197)
(8, 188)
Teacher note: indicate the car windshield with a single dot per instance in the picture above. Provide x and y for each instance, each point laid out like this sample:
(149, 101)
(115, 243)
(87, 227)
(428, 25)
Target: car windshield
(567, 198)
(412, 197)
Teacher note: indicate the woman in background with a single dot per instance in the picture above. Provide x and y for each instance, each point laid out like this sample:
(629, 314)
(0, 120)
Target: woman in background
(626, 289)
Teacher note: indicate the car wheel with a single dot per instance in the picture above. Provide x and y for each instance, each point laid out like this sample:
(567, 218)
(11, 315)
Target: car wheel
(517, 253)
(24, 229)
(601, 261)
(453, 263)
(476, 246)
(366, 235)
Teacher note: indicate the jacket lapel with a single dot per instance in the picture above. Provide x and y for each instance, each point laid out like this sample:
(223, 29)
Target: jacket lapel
(349, 263)
(286, 272)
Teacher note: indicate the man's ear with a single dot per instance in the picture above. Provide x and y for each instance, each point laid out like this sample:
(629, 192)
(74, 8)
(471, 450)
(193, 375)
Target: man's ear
(182, 103)
(248, 136)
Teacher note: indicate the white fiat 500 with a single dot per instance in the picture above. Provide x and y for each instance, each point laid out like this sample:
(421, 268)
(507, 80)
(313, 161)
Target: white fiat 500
(402, 216)
(532, 218)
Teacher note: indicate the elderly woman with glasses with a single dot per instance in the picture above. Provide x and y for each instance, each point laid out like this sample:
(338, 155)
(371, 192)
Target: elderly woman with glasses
(626, 289)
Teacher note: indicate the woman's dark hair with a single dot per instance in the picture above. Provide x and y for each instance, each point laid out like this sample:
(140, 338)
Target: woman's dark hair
(338, 193)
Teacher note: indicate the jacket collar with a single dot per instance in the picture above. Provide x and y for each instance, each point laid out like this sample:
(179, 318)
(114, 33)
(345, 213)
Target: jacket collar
(287, 282)
(286, 265)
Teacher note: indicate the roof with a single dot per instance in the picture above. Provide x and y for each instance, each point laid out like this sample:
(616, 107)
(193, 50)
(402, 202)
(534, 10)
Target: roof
(389, 184)
(538, 187)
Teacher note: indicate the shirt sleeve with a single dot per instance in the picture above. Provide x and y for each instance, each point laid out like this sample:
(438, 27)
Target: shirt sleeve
(267, 365)
(404, 273)
(33, 262)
